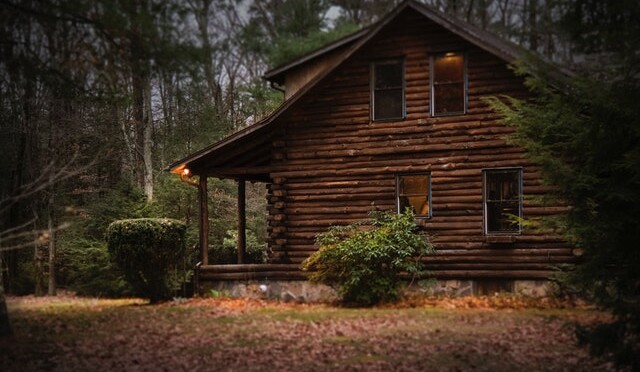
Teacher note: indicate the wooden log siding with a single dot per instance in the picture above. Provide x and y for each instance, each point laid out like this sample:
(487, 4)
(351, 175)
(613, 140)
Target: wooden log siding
(331, 164)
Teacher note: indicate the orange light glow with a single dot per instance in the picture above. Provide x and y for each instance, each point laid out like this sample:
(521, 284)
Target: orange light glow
(179, 169)
(185, 175)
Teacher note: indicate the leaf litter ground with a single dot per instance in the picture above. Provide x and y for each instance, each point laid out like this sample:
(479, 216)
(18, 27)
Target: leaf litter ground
(433, 334)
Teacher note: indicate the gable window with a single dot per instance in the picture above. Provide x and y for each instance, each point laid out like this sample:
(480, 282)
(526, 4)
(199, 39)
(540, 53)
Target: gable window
(387, 90)
(414, 191)
(448, 84)
(502, 200)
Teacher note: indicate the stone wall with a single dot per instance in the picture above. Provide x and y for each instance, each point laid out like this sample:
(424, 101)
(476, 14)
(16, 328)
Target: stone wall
(305, 291)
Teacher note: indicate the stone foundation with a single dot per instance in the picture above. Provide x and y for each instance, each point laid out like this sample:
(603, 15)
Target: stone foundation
(305, 291)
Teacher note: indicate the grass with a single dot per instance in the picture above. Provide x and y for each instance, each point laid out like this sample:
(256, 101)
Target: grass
(231, 334)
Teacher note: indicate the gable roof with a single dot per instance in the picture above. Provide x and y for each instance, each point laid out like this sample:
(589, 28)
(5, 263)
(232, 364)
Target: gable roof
(245, 138)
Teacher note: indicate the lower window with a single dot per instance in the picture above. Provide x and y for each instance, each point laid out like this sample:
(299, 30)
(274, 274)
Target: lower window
(414, 192)
(502, 201)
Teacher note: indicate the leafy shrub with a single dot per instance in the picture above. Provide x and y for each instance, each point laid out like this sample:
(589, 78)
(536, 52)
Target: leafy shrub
(147, 250)
(363, 260)
(228, 252)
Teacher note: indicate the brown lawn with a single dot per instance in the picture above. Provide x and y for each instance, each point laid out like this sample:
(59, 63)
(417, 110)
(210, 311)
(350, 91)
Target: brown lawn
(483, 334)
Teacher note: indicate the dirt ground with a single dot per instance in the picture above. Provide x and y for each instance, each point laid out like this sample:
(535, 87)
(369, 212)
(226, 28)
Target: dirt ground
(480, 334)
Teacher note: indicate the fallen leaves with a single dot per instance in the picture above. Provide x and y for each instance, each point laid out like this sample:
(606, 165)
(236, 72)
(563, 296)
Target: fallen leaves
(497, 301)
(246, 334)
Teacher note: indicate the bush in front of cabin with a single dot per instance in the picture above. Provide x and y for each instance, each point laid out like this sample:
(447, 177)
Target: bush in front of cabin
(363, 260)
(147, 250)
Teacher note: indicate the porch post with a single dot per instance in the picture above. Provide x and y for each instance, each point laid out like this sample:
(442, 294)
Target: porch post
(203, 237)
(242, 238)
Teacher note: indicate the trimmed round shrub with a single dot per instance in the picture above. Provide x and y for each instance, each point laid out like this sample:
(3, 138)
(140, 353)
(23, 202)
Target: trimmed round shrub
(147, 250)
(363, 260)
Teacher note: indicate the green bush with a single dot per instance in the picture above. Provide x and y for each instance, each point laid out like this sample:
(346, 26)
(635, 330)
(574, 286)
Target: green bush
(85, 267)
(256, 252)
(148, 251)
(363, 260)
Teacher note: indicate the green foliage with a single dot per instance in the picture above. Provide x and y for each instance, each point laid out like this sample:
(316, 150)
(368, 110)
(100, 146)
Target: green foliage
(174, 199)
(102, 208)
(258, 100)
(227, 253)
(585, 134)
(219, 294)
(147, 250)
(86, 268)
(290, 47)
(84, 264)
(363, 260)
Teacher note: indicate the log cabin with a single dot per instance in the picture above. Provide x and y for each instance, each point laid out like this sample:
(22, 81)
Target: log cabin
(391, 116)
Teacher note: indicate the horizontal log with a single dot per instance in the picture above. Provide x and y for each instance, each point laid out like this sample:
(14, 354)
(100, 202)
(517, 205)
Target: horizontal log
(261, 275)
(425, 143)
(498, 259)
(490, 274)
(324, 189)
(459, 159)
(424, 132)
(481, 238)
(247, 268)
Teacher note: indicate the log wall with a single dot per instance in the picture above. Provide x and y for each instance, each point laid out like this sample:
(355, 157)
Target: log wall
(332, 163)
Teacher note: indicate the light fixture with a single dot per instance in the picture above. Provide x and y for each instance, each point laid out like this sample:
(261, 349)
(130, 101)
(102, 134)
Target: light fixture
(185, 176)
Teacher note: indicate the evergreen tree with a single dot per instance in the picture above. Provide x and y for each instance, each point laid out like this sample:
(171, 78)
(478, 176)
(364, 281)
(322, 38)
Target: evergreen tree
(585, 133)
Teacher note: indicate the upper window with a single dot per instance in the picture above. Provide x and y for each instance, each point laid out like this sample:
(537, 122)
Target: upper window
(387, 90)
(448, 84)
(414, 191)
(502, 200)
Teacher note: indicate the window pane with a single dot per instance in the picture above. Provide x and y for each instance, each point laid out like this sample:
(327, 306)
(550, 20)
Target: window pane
(448, 98)
(501, 216)
(417, 184)
(448, 84)
(418, 204)
(413, 192)
(503, 200)
(503, 186)
(448, 68)
(388, 104)
(388, 75)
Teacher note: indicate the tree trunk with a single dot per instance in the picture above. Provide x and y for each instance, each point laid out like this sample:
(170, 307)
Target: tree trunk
(55, 122)
(147, 141)
(39, 269)
(533, 27)
(141, 82)
(52, 241)
(242, 221)
(5, 325)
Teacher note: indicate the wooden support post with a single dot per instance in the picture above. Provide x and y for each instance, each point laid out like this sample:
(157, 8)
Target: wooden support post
(204, 220)
(242, 223)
